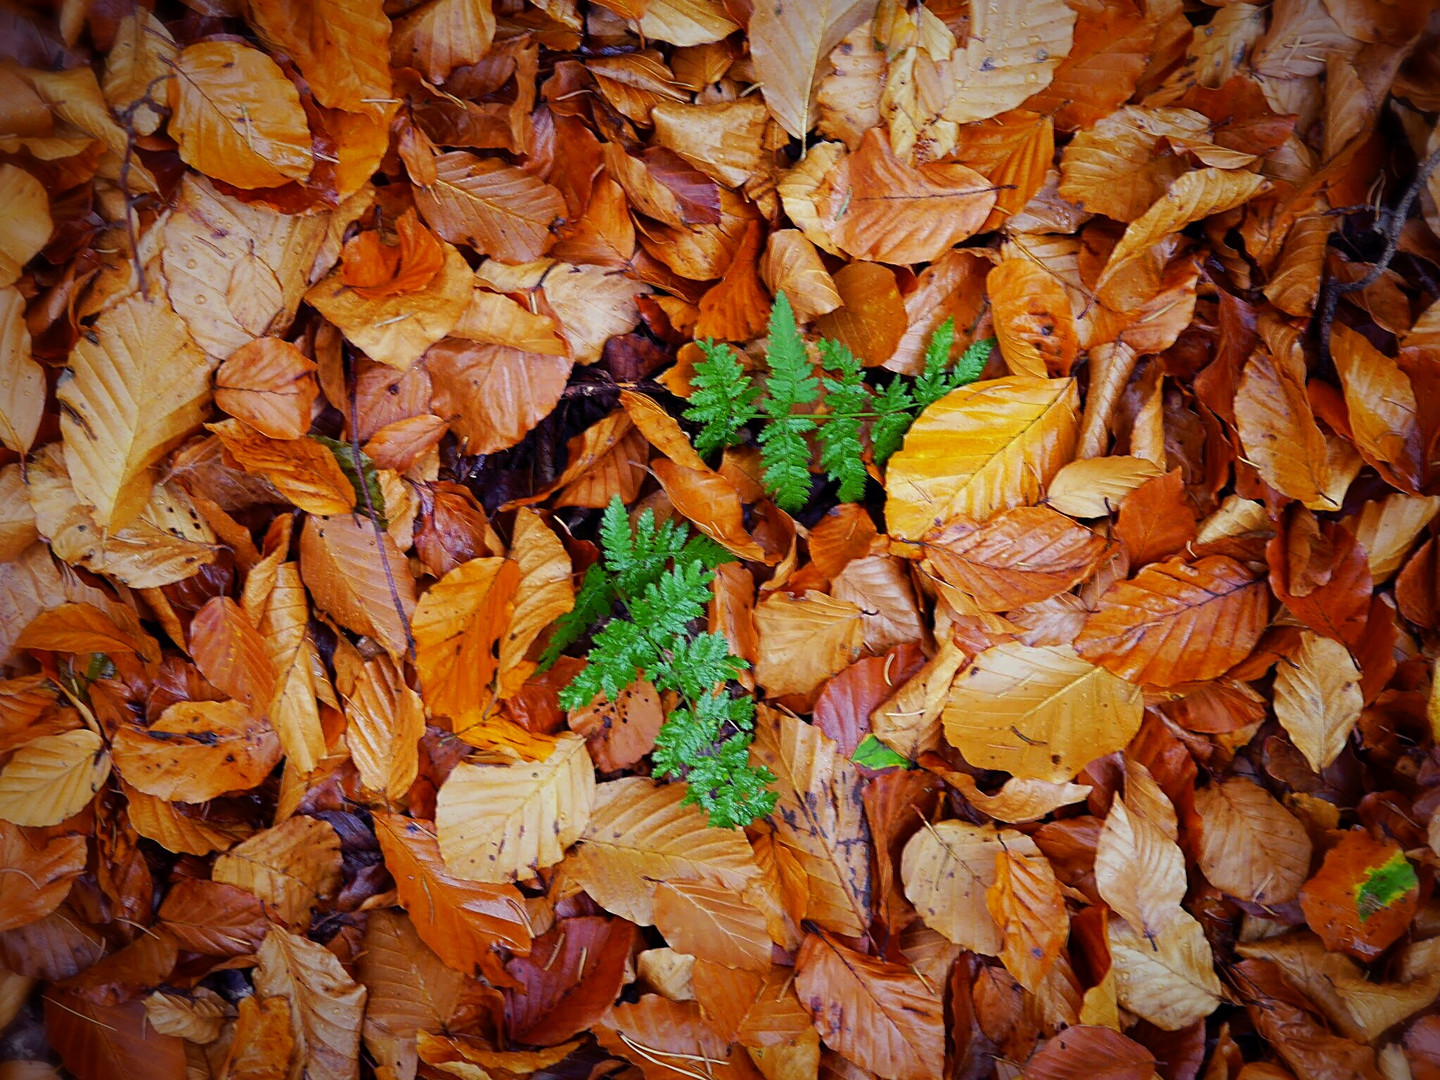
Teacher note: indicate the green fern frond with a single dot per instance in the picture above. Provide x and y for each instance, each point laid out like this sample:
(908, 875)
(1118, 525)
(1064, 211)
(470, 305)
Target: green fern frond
(894, 411)
(723, 399)
(936, 380)
(846, 401)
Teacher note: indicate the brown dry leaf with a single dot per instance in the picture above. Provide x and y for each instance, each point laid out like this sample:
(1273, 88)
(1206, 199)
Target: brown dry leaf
(269, 384)
(385, 722)
(237, 118)
(461, 920)
(1040, 713)
(408, 990)
(981, 449)
(326, 1004)
(819, 819)
(291, 867)
(442, 35)
(493, 395)
(26, 226)
(1381, 407)
(710, 922)
(199, 1019)
(1018, 557)
(804, 640)
(1318, 698)
(53, 777)
(1034, 325)
(871, 318)
(1177, 622)
(139, 386)
(340, 46)
(591, 303)
(909, 721)
(1169, 979)
(879, 585)
(457, 626)
(882, 1016)
(499, 822)
(84, 628)
(1250, 845)
(345, 568)
(792, 265)
(1358, 1007)
(22, 380)
(876, 207)
(495, 208)
(396, 330)
(722, 140)
(790, 41)
(1029, 910)
(948, 869)
(1139, 867)
(640, 834)
(177, 827)
(1018, 800)
(1012, 53)
(197, 750)
(493, 319)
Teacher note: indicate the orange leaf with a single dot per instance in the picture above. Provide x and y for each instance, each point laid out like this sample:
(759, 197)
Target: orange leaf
(1382, 409)
(493, 395)
(269, 384)
(340, 46)
(302, 470)
(237, 118)
(1091, 1053)
(375, 269)
(345, 568)
(197, 750)
(882, 1016)
(1177, 622)
(710, 922)
(230, 652)
(495, 208)
(1363, 897)
(457, 625)
(871, 318)
(1027, 905)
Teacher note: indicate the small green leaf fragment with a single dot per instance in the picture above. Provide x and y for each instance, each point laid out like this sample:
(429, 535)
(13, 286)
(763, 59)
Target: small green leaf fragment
(874, 754)
(1384, 884)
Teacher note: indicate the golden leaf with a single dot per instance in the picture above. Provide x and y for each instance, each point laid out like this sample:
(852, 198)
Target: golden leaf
(302, 470)
(1012, 53)
(500, 822)
(544, 592)
(139, 387)
(340, 46)
(980, 449)
(22, 380)
(345, 569)
(947, 869)
(270, 385)
(52, 777)
(197, 750)
(291, 867)
(1139, 868)
(493, 395)
(804, 640)
(457, 625)
(1250, 846)
(1096, 486)
(1040, 713)
(26, 225)
(640, 834)
(789, 41)
(1317, 697)
(326, 1004)
(1169, 980)
(442, 35)
(495, 208)
(237, 118)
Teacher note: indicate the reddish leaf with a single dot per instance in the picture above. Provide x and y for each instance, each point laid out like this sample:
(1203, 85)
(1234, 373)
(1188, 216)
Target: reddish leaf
(572, 975)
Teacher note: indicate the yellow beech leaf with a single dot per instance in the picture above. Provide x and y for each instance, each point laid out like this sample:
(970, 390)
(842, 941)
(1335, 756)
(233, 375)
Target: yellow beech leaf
(457, 625)
(197, 750)
(1250, 845)
(285, 626)
(1139, 868)
(1170, 979)
(269, 384)
(980, 449)
(386, 722)
(1096, 486)
(143, 52)
(139, 386)
(22, 380)
(640, 834)
(1012, 52)
(236, 271)
(1318, 698)
(438, 37)
(544, 592)
(1380, 402)
(52, 778)
(1019, 800)
(237, 118)
(409, 990)
(495, 208)
(26, 225)
(1040, 713)
(502, 822)
(948, 868)
(789, 41)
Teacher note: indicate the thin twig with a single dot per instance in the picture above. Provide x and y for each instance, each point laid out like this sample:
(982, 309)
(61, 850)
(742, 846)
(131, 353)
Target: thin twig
(1395, 219)
(374, 518)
